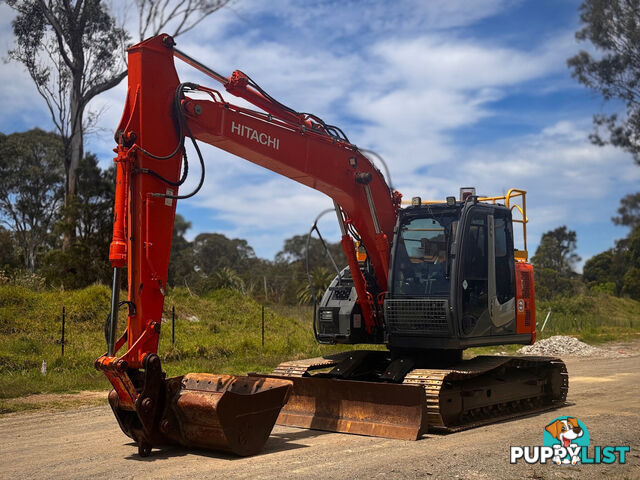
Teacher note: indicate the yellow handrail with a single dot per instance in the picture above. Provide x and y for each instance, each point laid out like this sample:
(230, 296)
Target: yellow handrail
(512, 194)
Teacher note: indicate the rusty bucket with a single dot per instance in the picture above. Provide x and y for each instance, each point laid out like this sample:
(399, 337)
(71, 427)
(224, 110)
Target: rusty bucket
(224, 412)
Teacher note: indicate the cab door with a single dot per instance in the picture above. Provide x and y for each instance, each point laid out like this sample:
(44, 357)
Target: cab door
(485, 282)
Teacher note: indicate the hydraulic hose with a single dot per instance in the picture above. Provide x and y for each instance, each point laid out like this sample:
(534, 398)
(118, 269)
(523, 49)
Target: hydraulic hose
(309, 278)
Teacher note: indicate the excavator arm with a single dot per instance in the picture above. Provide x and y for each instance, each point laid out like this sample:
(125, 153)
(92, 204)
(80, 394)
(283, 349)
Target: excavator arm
(157, 118)
(160, 114)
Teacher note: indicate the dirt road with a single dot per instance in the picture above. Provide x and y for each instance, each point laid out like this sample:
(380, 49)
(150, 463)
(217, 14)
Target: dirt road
(87, 443)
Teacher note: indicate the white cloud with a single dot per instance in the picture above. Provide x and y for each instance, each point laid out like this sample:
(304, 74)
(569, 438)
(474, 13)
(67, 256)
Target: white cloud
(348, 18)
(568, 180)
(454, 64)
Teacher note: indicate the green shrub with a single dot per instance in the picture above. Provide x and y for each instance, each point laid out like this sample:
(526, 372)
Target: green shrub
(631, 283)
(606, 287)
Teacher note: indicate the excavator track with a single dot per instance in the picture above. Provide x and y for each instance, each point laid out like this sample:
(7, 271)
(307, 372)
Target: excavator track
(489, 389)
(475, 392)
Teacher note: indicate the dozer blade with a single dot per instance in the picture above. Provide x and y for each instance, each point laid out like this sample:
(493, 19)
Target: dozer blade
(348, 406)
(215, 412)
(469, 394)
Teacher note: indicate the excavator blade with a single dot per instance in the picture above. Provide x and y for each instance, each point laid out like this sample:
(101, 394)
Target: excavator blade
(365, 408)
(214, 412)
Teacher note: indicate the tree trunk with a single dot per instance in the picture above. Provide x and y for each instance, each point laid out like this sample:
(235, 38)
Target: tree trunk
(31, 263)
(29, 251)
(75, 152)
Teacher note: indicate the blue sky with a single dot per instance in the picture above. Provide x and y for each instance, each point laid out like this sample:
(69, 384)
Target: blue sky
(451, 93)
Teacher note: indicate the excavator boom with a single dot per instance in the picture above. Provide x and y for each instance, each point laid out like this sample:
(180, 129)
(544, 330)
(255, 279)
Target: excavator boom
(157, 118)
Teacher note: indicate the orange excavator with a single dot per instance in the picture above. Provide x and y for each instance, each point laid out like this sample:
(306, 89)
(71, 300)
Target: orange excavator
(427, 281)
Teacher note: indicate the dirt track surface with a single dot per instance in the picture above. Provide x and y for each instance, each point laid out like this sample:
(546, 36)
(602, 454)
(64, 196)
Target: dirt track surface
(87, 443)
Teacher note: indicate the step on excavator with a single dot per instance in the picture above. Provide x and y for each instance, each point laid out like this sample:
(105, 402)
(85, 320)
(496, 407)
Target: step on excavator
(427, 281)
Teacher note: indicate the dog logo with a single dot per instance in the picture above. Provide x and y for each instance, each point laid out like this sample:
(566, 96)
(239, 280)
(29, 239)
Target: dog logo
(567, 436)
(566, 441)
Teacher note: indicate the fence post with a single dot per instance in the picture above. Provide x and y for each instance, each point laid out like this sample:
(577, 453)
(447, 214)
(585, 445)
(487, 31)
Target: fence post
(173, 325)
(545, 320)
(262, 326)
(264, 278)
(63, 322)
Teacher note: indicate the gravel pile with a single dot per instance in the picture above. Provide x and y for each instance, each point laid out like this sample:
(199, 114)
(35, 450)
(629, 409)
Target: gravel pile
(563, 345)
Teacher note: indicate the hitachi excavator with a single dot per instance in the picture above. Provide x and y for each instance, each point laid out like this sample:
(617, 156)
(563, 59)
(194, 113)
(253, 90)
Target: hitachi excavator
(427, 281)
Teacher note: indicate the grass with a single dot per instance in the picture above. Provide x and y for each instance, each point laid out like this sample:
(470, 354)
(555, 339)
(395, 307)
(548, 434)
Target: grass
(60, 402)
(10, 407)
(219, 333)
(594, 319)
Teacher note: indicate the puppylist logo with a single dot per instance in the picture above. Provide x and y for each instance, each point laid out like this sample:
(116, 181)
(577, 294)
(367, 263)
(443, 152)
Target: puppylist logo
(565, 441)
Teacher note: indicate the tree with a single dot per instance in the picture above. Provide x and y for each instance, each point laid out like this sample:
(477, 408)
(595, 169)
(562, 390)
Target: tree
(549, 283)
(181, 264)
(9, 259)
(599, 268)
(75, 50)
(294, 251)
(605, 271)
(72, 52)
(629, 211)
(87, 259)
(554, 263)
(619, 267)
(631, 283)
(557, 251)
(32, 188)
(214, 251)
(631, 279)
(321, 278)
(629, 215)
(227, 278)
(613, 28)
(290, 267)
(629, 247)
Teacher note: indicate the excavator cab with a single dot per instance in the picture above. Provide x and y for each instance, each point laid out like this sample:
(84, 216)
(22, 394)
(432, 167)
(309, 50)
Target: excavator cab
(452, 282)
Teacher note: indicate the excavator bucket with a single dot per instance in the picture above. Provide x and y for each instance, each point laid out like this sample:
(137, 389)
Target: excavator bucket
(222, 412)
(214, 412)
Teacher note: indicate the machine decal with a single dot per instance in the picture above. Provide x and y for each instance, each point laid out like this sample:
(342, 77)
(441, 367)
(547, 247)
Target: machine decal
(255, 135)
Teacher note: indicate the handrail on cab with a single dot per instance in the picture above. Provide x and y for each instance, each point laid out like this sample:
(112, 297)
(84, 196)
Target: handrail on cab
(512, 194)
